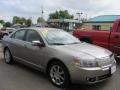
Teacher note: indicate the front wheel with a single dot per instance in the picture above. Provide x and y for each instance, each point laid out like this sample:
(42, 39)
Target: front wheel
(59, 75)
(8, 57)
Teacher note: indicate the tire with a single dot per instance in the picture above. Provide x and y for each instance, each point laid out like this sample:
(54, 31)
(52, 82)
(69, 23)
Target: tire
(116, 58)
(7, 56)
(58, 74)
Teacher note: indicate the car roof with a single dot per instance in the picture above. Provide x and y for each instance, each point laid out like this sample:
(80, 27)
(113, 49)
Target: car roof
(39, 29)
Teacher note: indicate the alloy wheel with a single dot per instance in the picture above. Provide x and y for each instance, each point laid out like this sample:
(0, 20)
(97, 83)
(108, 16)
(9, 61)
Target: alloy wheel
(57, 75)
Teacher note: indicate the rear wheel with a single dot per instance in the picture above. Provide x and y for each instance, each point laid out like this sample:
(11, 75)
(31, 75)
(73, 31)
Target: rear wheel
(7, 56)
(59, 75)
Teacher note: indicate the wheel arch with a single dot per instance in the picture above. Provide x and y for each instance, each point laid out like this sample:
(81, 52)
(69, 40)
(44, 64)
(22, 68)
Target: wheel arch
(87, 39)
(53, 60)
(57, 60)
(5, 49)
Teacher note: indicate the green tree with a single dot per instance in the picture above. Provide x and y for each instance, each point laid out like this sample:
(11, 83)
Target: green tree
(28, 22)
(2, 22)
(7, 24)
(16, 20)
(22, 21)
(61, 14)
(40, 20)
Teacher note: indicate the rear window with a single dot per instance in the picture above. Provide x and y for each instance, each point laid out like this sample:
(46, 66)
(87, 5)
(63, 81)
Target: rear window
(19, 35)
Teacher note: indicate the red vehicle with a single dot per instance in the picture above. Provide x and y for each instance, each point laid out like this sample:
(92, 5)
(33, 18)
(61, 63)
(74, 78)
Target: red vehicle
(109, 39)
(5, 31)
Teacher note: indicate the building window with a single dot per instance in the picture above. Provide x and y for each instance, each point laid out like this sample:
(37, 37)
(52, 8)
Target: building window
(96, 27)
(111, 28)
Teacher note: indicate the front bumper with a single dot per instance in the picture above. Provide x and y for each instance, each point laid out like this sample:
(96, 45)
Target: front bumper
(91, 75)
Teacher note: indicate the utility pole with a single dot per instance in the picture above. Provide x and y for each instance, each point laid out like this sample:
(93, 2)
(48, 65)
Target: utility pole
(86, 16)
(42, 11)
(79, 15)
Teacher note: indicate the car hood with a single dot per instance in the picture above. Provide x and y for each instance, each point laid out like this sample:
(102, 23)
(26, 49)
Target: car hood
(84, 49)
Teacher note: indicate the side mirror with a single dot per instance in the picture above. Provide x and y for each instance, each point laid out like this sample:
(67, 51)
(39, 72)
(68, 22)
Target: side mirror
(36, 43)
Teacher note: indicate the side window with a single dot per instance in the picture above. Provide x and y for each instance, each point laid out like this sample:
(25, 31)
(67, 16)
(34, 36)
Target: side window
(96, 27)
(32, 36)
(19, 34)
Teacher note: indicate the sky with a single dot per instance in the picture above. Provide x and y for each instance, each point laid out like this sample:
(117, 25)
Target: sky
(32, 8)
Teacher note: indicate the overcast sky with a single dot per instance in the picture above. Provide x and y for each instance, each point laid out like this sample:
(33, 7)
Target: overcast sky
(32, 8)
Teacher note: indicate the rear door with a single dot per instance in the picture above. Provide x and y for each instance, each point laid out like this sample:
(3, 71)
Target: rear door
(115, 40)
(17, 43)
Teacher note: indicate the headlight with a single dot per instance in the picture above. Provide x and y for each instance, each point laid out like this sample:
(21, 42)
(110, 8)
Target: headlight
(88, 64)
(85, 63)
(106, 60)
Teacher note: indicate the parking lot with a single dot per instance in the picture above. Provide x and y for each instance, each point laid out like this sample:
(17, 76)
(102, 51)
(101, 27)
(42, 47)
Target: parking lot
(19, 77)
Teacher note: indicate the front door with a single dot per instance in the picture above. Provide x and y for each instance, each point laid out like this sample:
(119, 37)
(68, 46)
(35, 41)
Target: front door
(34, 54)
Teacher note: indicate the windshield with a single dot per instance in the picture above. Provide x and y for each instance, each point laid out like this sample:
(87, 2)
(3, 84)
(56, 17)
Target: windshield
(59, 37)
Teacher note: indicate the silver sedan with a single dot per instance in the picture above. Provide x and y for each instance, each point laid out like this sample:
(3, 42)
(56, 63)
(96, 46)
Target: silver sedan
(62, 56)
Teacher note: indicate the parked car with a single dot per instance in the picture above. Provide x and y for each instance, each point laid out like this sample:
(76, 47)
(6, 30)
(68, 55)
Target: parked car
(60, 55)
(109, 39)
(17, 26)
(5, 31)
(10, 30)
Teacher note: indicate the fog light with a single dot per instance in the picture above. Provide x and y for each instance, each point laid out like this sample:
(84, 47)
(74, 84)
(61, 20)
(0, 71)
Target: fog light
(91, 79)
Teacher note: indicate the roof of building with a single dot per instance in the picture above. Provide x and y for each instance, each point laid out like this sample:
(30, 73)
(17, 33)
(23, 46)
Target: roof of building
(63, 20)
(104, 18)
(42, 25)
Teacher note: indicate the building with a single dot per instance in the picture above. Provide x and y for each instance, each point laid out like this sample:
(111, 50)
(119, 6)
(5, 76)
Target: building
(66, 24)
(41, 25)
(103, 22)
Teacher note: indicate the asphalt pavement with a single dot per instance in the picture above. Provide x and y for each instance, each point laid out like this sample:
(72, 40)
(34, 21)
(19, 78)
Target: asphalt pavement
(20, 77)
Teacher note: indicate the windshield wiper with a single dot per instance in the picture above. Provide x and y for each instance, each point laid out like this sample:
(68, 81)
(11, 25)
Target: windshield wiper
(75, 43)
(57, 44)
